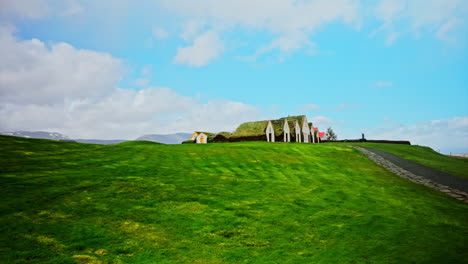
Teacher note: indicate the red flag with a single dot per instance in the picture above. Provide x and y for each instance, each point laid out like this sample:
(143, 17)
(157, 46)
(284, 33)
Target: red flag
(315, 128)
(321, 134)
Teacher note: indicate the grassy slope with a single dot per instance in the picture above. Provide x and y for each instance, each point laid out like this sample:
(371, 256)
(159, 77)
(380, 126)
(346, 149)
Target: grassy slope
(457, 166)
(141, 202)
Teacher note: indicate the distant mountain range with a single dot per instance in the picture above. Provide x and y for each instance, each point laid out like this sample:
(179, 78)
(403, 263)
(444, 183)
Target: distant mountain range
(176, 138)
(37, 134)
(166, 139)
(101, 141)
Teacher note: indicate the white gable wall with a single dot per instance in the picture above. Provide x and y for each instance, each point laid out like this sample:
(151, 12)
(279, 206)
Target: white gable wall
(312, 133)
(298, 131)
(270, 132)
(287, 132)
(202, 139)
(305, 130)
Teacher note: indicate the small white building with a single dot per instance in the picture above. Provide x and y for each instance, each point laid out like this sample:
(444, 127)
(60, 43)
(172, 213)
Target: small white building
(200, 137)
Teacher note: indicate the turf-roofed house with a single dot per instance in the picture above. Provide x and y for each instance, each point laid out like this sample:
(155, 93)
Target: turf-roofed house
(285, 129)
(201, 137)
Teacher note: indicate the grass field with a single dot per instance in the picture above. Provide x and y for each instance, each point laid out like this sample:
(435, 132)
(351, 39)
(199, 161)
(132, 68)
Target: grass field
(256, 202)
(457, 166)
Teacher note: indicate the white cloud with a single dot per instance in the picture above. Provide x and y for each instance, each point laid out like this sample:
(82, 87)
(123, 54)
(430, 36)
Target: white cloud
(322, 122)
(218, 115)
(60, 88)
(191, 29)
(39, 9)
(338, 126)
(144, 79)
(128, 114)
(447, 135)
(382, 84)
(32, 72)
(276, 16)
(435, 16)
(335, 108)
(289, 25)
(146, 70)
(446, 28)
(391, 38)
(160, 33)
(71, 8)
(141, 82)
(286, 44)
(435, 12)
(388, 10)
(205, 48)
(343, 106)
(291, 22)
(29, 9)
(308, 108)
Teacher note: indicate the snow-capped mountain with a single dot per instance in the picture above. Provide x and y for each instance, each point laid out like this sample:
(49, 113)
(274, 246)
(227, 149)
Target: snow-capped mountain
(37, 134)
(165, 139)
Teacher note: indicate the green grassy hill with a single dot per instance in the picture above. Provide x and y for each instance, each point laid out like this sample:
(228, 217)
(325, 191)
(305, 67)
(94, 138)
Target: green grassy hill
(457, 166)
(141, 202)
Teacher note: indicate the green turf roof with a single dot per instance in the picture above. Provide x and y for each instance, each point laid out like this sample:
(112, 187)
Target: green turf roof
(225, 134)
(206, 133)
(258, 128)
(251, 128)
(293, 118)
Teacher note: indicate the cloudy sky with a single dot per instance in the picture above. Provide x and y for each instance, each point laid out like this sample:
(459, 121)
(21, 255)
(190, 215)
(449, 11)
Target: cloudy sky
(392, 69)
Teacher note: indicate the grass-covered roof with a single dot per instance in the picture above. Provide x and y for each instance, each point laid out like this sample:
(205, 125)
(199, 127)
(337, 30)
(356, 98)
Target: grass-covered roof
(295, 118)
(251, 129)
(225, 134)
(206, 133)
(258, 128)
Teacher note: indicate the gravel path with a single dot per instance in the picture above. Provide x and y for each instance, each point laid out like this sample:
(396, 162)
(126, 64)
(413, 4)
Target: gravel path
(442, 181)
(426, 172)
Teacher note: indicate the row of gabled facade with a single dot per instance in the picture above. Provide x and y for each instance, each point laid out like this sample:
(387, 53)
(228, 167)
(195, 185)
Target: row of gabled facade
(286, 129)
(294, 129)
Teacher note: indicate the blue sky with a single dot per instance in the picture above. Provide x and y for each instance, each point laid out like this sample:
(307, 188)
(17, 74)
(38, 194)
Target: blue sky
(392, 69)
